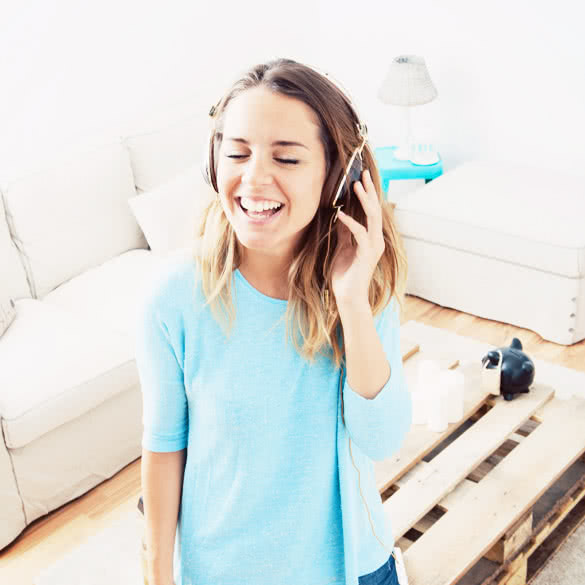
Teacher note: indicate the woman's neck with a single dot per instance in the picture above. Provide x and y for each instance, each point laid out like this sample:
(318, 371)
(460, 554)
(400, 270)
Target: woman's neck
(271, 285)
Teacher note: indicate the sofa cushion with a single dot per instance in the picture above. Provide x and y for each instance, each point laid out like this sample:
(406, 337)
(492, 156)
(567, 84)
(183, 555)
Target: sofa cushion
(108, 294)
(73, 216)
(158, 156)
(169, 214)
(14, 282)
(516, 213)
(53, 368)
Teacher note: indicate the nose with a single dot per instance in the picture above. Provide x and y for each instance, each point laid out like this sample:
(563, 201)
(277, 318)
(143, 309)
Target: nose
(256, 171)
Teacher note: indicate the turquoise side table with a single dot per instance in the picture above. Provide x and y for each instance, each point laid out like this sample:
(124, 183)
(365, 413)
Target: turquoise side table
(392, 169)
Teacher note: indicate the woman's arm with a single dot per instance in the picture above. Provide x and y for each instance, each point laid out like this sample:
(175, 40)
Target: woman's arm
(162, 486)
(377, 414)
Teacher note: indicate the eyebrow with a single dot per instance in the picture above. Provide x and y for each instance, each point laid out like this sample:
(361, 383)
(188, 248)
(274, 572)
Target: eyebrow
(275, 143)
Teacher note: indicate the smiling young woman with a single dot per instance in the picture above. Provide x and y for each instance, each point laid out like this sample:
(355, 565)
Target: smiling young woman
(273, 491)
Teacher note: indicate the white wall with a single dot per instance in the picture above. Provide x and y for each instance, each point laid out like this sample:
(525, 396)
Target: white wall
(71, 70)
(510, 75)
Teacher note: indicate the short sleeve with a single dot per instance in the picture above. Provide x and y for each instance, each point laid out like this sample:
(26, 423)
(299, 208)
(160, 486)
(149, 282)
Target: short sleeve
(379, 425)
(164, 401)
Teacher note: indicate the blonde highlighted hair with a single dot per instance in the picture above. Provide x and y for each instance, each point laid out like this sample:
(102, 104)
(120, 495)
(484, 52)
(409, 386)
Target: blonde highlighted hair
(316, 323)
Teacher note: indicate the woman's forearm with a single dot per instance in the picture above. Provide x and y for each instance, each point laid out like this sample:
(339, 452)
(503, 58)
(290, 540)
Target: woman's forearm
(368, 370)
(162, 485)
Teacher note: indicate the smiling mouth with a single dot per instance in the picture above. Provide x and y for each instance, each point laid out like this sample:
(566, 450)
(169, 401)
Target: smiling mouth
(262, 214)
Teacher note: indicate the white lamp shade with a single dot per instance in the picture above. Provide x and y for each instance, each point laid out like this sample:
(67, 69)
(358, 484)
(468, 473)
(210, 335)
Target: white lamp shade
(407, 82)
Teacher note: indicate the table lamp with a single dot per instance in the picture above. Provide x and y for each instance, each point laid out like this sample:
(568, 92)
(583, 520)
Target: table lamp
(407, 84)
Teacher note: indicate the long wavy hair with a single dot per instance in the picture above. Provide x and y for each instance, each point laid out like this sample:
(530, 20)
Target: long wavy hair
(317, 322)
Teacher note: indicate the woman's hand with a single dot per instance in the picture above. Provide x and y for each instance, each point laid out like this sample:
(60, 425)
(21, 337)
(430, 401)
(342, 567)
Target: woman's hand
(353, 266)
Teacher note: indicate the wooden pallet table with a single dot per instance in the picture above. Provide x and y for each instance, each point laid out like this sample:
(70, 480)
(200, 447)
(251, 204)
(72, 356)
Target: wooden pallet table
(490, 499)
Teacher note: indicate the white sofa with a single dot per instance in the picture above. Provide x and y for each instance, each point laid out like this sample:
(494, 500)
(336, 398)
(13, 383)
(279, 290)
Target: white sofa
(79, 242)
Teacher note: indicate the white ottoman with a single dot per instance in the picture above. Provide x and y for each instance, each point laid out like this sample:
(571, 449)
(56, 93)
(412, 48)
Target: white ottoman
(501, 241)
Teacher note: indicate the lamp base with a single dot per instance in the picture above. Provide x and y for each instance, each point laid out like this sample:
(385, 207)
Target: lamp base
(424, 157)
(417, 154)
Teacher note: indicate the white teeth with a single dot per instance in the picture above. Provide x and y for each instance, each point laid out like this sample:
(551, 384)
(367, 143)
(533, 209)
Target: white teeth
(252, 205)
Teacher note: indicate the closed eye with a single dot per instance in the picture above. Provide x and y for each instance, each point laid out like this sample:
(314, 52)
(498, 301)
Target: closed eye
(282, 160)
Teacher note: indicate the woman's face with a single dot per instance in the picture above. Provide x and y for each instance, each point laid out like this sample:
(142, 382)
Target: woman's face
(289, 174)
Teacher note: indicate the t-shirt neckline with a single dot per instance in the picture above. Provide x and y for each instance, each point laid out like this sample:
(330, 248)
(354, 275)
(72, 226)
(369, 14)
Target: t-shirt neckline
(256, 292)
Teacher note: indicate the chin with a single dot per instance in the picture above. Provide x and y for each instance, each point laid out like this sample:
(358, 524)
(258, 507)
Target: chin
(257, 243)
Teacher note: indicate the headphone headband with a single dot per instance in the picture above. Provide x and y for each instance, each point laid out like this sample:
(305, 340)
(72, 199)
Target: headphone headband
(362, 128)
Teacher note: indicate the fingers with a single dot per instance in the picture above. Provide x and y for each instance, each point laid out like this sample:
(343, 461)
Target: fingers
(355, 227)
(368, 196)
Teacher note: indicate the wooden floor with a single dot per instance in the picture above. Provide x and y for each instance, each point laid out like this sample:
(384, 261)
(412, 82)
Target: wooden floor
(52, 536)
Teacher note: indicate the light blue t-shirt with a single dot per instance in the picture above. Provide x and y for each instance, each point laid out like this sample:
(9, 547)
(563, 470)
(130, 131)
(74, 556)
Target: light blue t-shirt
(267, 495)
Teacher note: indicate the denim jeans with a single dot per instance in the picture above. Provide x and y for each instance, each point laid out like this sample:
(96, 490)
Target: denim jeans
(384, 575)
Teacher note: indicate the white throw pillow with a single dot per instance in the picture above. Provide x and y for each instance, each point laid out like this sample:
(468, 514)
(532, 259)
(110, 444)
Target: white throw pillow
(170, 213)
(7, 314)
(158, 156)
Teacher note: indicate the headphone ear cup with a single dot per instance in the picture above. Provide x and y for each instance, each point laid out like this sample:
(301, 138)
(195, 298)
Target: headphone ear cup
(205, 163)
(355, 174)
(205, 171)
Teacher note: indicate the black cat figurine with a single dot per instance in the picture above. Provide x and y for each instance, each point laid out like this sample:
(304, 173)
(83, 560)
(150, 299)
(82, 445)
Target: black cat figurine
(517, 369)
